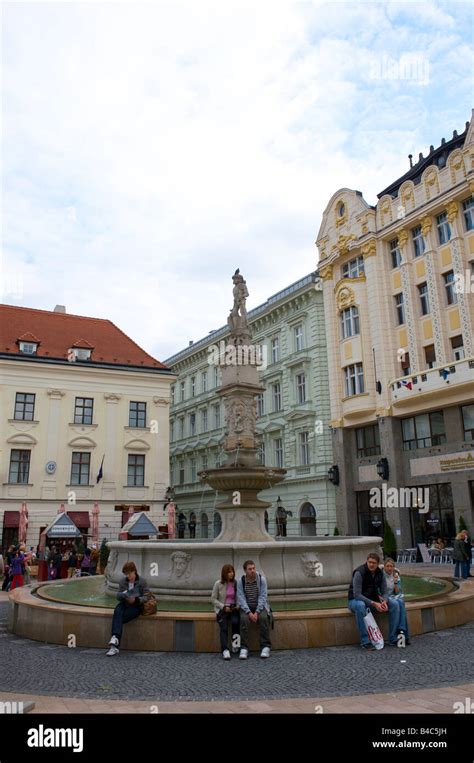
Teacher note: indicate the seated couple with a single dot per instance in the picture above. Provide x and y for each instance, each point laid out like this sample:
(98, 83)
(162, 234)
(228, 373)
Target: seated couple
(239, 604)
(380, 591)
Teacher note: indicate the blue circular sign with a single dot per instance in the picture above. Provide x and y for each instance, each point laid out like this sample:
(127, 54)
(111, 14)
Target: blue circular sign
(50, 467)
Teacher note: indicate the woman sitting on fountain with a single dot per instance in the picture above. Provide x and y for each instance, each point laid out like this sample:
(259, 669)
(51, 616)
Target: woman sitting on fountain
(131, 595)
(395, 592)
(224, 599)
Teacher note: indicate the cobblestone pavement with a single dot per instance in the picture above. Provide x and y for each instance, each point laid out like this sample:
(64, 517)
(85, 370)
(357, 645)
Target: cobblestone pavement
(439, 659)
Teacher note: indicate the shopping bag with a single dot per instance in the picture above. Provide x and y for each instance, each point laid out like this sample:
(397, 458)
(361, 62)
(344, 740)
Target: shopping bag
(373, 630)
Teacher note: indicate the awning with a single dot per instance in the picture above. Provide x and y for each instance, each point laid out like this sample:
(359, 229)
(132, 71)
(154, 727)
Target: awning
(62, 527)
(11, 519)
(80, 518)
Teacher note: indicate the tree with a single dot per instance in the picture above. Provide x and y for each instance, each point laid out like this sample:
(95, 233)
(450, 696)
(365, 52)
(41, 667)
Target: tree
(336, 531)
(462, 524)
(389, 542)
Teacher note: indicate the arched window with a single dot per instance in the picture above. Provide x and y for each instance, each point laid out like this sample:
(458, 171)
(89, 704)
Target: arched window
(204, 526)
(308, 519)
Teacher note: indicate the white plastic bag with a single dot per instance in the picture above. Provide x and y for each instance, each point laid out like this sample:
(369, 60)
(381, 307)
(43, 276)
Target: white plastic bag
(373, 630)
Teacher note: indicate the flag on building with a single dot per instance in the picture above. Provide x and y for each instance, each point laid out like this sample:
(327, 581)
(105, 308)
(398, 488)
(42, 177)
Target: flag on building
(407, 384)
(100, 474)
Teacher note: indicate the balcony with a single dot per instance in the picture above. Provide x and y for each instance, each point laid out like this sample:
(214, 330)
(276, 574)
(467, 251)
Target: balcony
(449, 384)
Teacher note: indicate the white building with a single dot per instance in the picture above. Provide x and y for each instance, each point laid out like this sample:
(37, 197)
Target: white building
(75, 393)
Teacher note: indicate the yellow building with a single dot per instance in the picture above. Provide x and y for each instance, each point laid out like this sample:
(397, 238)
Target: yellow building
(85, 420)
(398, 285)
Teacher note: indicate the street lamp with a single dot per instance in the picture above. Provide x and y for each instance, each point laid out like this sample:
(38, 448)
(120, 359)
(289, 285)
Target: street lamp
(382, 468)
(333, 474)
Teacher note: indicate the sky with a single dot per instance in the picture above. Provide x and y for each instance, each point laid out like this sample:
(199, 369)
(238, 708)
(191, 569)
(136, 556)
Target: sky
(148, 150)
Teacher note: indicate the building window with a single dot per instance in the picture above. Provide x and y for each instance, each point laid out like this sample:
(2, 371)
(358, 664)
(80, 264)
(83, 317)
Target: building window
(204, 381)
(193, 470)
(28, 348)
(395, 253)
(278, 445)
(405, 364)
(80, 353)
(181, 427)
(182, 386)
(468, 421)
(260, 404)
(423, 431)
(181, 474)
(217, 416)
(261, 453)
(275, 345)
(204, 463)
(171, 431)
(24, 407)
(80, 468)
(204, 422)
(451, 294)
(19, 467)
(430, 356)
(172, 394)
(354, 268)
(276, 396)
(419, 245)
(136, 471)
(301, 388)
(193, 386)
(350, 322)
(354, 379)
(83, 410)
(424, 298)
(298, 337)
(468, 209)
(457, 344)
(137, 415)
(368, 441)
(192, 424)
(216, 376)
(400, 308)
(444, 228)
(304, 448)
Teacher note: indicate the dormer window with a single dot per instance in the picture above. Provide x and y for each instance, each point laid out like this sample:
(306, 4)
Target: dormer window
(80, 353)
(28, 348)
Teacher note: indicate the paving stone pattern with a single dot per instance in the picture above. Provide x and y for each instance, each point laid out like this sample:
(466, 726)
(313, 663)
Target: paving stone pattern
(435, 659)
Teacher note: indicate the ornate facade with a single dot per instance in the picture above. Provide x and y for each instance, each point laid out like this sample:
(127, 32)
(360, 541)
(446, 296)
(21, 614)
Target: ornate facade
(399, 304)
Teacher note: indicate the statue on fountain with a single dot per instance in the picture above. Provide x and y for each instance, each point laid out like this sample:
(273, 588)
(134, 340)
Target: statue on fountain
(237, 319)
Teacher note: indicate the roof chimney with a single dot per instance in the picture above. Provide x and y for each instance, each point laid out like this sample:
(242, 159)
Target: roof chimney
(60, 309)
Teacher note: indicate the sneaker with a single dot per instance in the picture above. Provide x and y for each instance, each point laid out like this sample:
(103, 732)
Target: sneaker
(226, 654)
(112, 651)
(368, 647)
(114, 641)
(244, 653)
(265, 652)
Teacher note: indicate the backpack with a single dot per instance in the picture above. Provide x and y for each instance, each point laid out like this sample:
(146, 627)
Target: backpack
(271, 619)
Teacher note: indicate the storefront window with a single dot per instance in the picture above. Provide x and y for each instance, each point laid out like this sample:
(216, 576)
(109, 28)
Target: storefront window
(370, 519)
(439, 521)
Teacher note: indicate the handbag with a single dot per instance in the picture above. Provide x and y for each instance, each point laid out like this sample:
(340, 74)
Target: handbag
(373, 630)
(149, 606)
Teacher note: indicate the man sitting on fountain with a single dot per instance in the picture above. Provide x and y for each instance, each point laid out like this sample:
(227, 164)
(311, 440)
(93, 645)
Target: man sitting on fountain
(368, 589)
(131, 595)
(253, 602)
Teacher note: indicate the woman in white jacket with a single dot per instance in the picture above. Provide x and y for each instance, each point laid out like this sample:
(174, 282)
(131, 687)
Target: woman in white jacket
(224, 599)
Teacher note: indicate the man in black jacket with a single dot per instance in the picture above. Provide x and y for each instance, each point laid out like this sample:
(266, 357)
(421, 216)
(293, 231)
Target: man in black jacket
(368, 589)
(131, 595)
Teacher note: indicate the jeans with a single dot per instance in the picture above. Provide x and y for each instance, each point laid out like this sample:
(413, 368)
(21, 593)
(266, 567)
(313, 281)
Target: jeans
(360, 608)
(123, 613)
(223, 619)
(402, 623)
(461, 567)
(263, 625)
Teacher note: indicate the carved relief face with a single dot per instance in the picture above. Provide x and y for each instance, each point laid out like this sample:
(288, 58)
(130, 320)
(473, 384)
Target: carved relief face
(180, 564)
(311, 565)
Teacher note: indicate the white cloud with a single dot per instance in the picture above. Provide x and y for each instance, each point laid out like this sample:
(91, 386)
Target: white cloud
(190, 139)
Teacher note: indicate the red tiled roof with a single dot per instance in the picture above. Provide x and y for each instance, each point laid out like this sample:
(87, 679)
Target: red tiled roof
(59, 332)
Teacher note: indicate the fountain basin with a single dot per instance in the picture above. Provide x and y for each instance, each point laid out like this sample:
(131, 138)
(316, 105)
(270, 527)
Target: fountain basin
(296, 569)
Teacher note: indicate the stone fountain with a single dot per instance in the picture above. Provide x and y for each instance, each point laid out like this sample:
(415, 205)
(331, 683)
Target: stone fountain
(296, 568)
